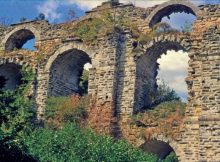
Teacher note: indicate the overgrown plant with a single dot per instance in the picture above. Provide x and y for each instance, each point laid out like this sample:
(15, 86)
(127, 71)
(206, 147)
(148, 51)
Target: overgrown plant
(72, 144)
(16, 115)
(84, 81)
(187, 27)
(61, 110)
(163, 94)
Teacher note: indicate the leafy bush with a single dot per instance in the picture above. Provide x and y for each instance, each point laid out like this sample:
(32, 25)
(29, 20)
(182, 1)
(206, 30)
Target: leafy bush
(61, 110)
(87, 30)
(165, 109)
(15, 118)
(72, 144)
(84, 81)
(16, 109)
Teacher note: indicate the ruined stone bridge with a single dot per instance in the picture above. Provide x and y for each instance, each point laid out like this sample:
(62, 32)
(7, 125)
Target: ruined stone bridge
(119, 74)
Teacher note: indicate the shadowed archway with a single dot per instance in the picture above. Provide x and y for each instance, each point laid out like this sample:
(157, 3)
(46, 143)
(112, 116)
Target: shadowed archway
(65, 73)
(10, 76)
(159, 148)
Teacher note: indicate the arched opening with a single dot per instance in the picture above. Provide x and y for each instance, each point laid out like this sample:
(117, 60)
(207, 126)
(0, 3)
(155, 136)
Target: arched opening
(67, 72)
(177, 16)
(161, 149)
(173, 71)
(10, 76)
(21, 39)
(150, 91)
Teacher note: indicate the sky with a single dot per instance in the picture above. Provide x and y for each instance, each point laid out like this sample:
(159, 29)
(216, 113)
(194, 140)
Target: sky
(56, 10)
(173, 66)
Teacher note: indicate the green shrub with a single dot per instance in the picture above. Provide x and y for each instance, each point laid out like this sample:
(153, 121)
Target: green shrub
(84, 81)
(16, 116)
(61, 110)
(72, 144)
(165, 109)
(16, 110)
(88, 29)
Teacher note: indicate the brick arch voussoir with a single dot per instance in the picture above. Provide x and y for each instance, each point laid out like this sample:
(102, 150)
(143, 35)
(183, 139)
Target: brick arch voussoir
(162, 6)
(182, 40)
(35, 31)
(64, 48)
(15, 60)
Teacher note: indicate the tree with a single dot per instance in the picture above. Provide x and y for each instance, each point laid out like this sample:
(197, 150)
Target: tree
(5, 21)
(187, 27)
(84, 82)
(163, 94)
(16, 110)
(163, 27)
(22, 19)
(41, 16)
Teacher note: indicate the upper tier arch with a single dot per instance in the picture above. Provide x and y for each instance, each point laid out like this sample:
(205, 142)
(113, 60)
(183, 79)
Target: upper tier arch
(19, 36)
(170, 7)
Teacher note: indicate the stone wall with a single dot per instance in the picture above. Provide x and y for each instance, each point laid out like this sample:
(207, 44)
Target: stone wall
(119, 74)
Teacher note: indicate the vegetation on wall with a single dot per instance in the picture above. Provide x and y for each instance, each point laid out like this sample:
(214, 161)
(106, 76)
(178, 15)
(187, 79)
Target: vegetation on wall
(166, 118)
(163, 94)
(62, 110)
(84, 82)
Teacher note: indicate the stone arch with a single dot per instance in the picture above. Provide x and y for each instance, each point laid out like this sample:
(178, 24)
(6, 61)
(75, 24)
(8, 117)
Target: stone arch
(65, 68)
(170, 7)
(19, 36)
(10, 72)
(64, 48)
(161, 146)
(147, 66)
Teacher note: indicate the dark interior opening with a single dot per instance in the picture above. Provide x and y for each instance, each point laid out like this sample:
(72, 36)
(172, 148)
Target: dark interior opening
(66, 72)
(18, 39)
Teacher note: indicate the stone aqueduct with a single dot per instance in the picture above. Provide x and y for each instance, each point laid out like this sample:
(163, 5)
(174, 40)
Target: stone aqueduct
(117, 77)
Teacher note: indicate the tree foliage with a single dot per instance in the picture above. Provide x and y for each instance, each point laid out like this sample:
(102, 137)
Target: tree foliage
(16, 109)
(23, 19)
(163, 94)
(16, 114)
(187, 27)
(84, 81)
(41, 16)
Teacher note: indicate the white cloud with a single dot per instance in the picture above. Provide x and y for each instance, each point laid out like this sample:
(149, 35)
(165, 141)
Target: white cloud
(87, 66)
(178, 60)
(144, 3)
(89, 4)
(173, 70)
(49, 8)
(86, 4)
